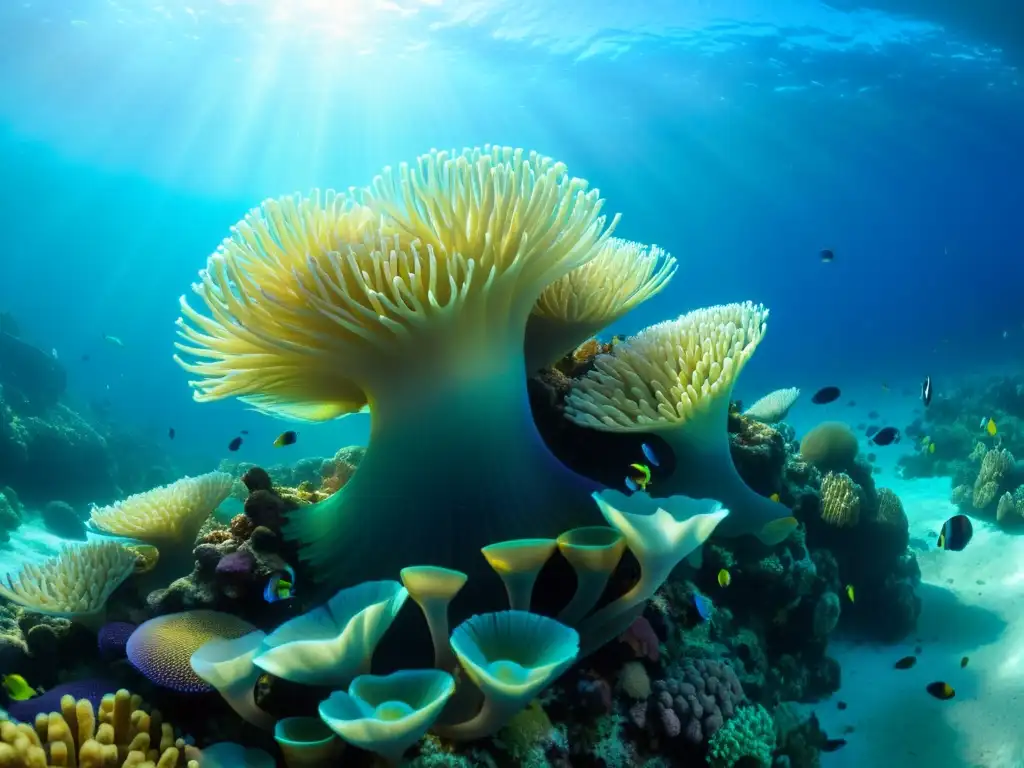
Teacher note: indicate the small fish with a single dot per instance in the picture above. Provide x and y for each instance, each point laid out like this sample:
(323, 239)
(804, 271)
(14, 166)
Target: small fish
(925, 440)
(244, 431)
(640, 480)
(631, 485)
(841, 705)
(872, 430)
(724, 579)
(926, 391)
(85, 358)
(872, 457)
(826, 255)
(703, 605)
(885, 387)
(280, 585)
(54, 353)
(113, 340)
(941, 691)
(873, 415)
(990, 427)
(963, 662)
(18, 688)
(831, 745)
(286, 438)
(826, 395)
(906, 662)
(1005, 334)
(849, 592)
(956, 533)
(649, 455)
(170, 433)
(235, 444)
(984, 420)
(886, 436)
(931, 447)
(774, 497)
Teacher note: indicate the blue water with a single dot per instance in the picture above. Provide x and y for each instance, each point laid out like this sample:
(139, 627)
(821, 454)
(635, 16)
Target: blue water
(742, 136)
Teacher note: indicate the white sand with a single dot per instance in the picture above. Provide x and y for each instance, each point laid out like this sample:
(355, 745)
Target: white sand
(971, 601)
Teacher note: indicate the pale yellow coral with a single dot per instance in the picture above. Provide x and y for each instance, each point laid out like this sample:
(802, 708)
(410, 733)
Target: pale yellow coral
(73, 585)
(994, 465)
(121, 735)
(890, 509)
(773, 407)
(840, 502)
(168, 514)
(961, 495)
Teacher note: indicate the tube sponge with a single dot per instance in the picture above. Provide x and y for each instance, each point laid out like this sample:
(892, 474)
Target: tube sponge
(622, 276)
(332, 644)
(388, 714)
(73, 585)
(168, 514)
(511, 656)
(227, 666)
(436, 268)
(675, 379)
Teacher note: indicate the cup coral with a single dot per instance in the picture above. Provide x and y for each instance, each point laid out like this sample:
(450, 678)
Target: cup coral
(675, 379)
(518, 563)
(388, 714)
(227, 666)
(622, 276)
(433, 590)
(594, 553)
(73, 585)
(411, 297)
(307, 742)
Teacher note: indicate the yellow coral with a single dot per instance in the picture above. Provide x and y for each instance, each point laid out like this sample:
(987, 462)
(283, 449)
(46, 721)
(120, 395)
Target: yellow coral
(634, 680)
(1006, 511)
(994, 465)
(840, 502)
(122, 734)
(890, 509)
(168, 514)
(73, 585)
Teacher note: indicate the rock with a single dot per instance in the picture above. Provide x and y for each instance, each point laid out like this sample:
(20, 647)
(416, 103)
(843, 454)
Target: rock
(33, 380)
(257, 479)
(60, 519)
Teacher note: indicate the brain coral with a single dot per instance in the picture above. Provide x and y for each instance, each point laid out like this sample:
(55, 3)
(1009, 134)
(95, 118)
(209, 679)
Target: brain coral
(162, 648)
(840, 502)
(831, 445)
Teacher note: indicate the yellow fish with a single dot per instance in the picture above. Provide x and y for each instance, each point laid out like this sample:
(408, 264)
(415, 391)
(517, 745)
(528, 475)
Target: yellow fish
(774, 497)
(640, 481)
(991, 428)
(931, 447)
(18, 688)
(849, 592)
(926, 440)
(724, 579)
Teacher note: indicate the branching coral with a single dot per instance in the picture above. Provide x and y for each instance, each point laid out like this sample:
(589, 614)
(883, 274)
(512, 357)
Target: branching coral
(994, 465)
(168, 514)
(840, 502)
(591, 297)
(75, 584)
(120, 734)
(411, 297)
(675, 379)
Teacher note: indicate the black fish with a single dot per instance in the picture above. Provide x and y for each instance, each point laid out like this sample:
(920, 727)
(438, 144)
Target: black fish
(826, 255)
(244, 431)
(826, 395)
(941, 690)
(964, 661)
(926, 391)
(873, 429)
(956, 533)
(852, 404)
(831, 745)
(235, 444)
(886, 436)
(170, 433)
(906, 662)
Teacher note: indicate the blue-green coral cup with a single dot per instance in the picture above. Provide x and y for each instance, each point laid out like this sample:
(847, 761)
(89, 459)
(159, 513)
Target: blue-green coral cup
(306, 742)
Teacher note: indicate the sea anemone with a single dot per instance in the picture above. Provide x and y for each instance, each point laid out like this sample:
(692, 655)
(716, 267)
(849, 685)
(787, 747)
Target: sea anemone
(410, 297)
(675, 379)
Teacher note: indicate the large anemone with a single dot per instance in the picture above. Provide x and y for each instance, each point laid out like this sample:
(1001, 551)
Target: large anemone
(410, 298)
(675, 379)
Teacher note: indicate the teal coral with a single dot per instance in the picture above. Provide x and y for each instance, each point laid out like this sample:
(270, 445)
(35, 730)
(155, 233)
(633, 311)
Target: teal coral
(750, 734)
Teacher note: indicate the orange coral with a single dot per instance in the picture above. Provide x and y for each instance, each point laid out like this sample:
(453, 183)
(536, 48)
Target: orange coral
(335, 481)
(241, 527)
(217, 535)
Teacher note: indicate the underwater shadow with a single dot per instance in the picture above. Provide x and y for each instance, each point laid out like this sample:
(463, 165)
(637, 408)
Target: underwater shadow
(944, 618)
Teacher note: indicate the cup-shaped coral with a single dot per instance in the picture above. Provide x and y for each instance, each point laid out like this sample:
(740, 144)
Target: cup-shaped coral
(433, 590)
(227, 666)
(659, 533)
(388, 714)
(675, 379)
(519, 563)
(334, 642)
(511, 656)
(434, 270)
(306, 742)
(594, 553)
(227, 754)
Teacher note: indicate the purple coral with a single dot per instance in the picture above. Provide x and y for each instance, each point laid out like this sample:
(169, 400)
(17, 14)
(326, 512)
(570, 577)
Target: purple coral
(237, 564)
(642, 639)
(93, 689)
(697, 699)
(112, 640)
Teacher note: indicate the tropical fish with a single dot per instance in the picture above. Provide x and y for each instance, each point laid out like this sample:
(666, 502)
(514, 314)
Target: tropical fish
(18, 688)
(113, 340)
(931, 447)
(927, 439)
(826, 395)
(286, 438)
(774, 497)
(649, 455)
(886, 436)
(831, 745)
(280, 585)
(244, 431)
(703, 605)
(826, 255)
(885, 387)
(724, 578)
(849, 592)
(940, 690)
(990, 427)
(963, 662)
(926, 391)
(235, 444)
(640, 480)
(54, 353)
(906, 662)
(170, 433)
(956, 533)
